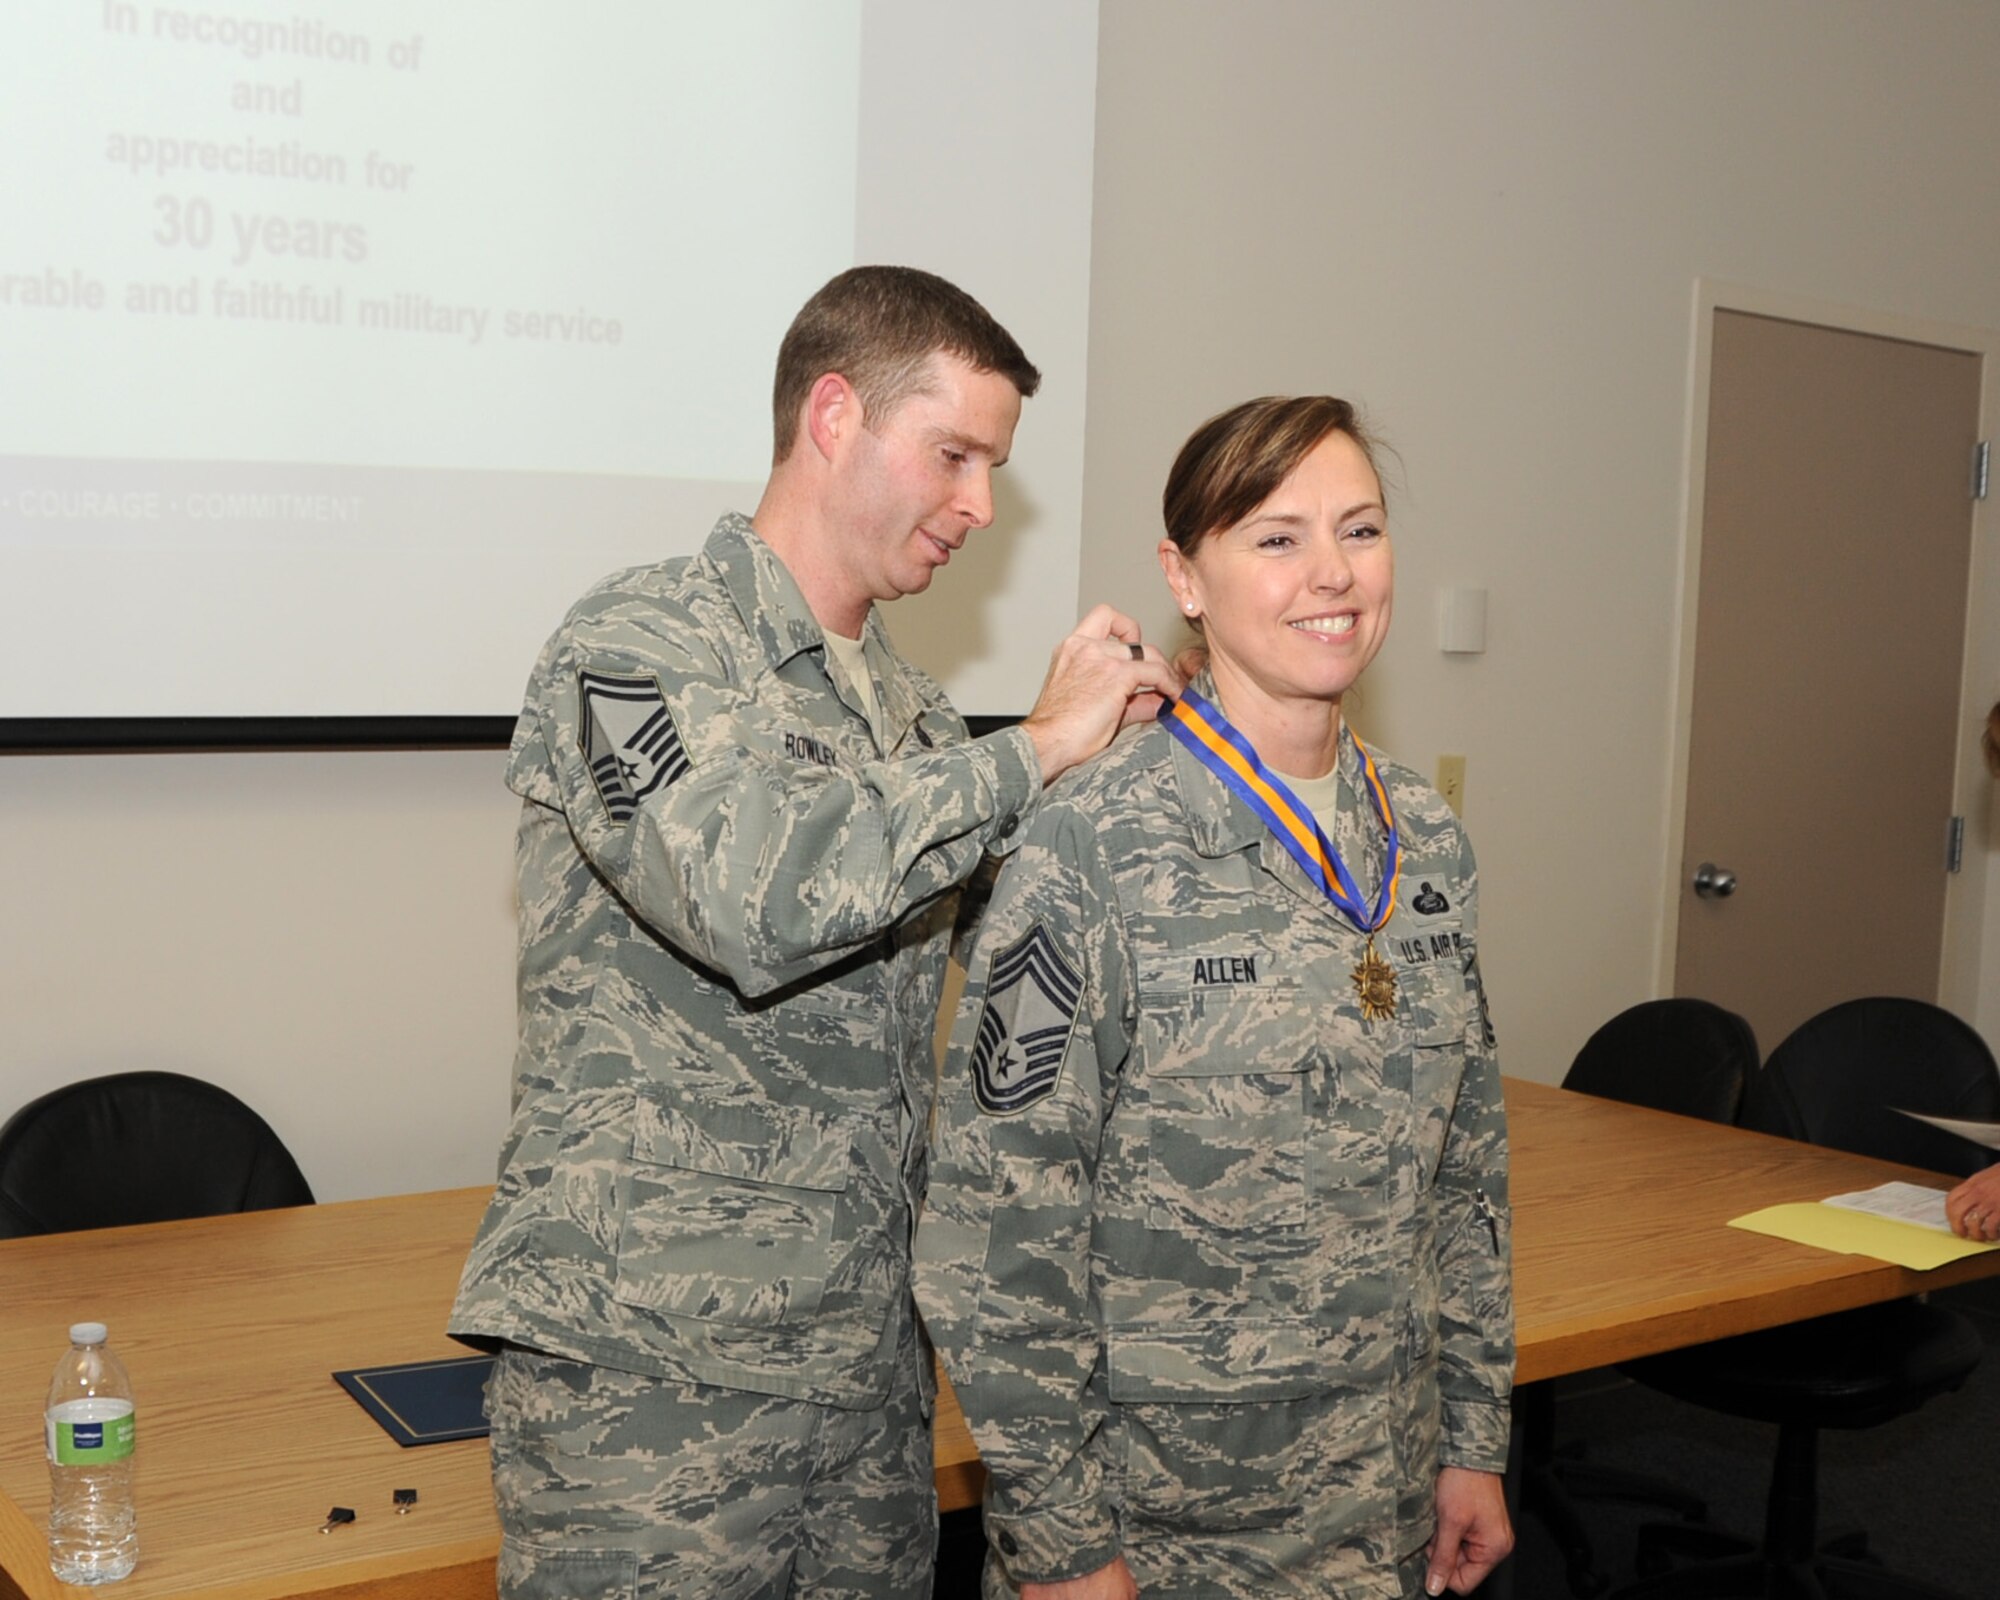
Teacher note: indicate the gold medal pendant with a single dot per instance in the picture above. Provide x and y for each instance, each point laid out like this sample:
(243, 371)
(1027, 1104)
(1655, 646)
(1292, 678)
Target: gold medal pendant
(1375, 981)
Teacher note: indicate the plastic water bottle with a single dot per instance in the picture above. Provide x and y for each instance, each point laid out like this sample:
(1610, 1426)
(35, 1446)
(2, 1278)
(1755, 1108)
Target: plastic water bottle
(93, 1523)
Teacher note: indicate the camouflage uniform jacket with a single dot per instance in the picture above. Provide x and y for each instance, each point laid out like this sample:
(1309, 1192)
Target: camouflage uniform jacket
(735, 915)
(1205, 1252)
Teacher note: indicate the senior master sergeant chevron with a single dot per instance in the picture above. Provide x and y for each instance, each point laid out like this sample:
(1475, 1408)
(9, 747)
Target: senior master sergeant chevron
(744, 819)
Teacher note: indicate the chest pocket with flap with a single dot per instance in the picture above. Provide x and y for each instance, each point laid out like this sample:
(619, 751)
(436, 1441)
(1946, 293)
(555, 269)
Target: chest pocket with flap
(1226, 1075)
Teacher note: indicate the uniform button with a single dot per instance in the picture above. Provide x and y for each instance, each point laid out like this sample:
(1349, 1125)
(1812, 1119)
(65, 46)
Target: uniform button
(1010, 1544)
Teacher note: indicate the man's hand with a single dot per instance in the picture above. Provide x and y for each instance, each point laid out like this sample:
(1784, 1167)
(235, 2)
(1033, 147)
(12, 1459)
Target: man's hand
(1473, 1533)
(1096, 685)
(1113, 1582)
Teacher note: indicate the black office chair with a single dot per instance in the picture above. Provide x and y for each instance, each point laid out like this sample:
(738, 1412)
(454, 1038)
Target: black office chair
(139, 1147)
(1834, 1082)
(1686, 1056)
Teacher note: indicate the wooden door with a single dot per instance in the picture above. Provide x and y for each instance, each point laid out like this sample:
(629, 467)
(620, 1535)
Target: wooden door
(1829, 637)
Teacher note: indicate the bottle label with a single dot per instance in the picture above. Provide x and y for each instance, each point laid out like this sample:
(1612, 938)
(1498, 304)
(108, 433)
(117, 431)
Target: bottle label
(86, 1434)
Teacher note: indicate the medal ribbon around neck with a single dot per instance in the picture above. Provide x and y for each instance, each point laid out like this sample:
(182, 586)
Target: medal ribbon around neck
(1215, 742)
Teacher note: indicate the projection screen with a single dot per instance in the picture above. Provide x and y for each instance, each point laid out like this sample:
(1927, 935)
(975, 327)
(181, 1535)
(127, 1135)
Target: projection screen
(344, 345)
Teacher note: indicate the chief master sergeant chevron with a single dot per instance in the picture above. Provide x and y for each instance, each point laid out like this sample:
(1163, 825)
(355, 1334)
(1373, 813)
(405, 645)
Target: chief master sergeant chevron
(744, 818)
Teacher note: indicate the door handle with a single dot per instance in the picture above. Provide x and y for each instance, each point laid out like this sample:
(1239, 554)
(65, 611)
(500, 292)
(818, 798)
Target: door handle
(1714, 883)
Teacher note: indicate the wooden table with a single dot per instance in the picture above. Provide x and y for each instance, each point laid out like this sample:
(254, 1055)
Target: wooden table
(232, 1325)
(231, 1328)
(1620, 1243)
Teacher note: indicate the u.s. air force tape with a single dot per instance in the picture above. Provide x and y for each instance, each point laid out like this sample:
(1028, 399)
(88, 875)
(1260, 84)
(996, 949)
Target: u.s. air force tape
(629, 739)
(1032, 997)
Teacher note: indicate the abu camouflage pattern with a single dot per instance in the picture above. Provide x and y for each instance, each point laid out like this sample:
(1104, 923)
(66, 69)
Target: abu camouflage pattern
(595, 1472)
(735, 910)
(1233, 1287)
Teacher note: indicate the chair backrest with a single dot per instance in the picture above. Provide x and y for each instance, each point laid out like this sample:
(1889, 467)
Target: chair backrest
(1840, 1077)
(139, 1147)
(1683, 1055)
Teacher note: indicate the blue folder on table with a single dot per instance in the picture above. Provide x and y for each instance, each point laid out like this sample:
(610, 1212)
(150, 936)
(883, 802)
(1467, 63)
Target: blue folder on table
(424, 1402)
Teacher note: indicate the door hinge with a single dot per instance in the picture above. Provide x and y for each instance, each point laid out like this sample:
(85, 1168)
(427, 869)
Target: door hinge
(1954, 845)
(1982, 462)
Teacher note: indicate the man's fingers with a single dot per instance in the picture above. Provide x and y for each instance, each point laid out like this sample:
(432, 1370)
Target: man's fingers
(1103, 622)
(1157, 684)
(1157, 674)
(1101, 677)
(1112, 664)
(1142, 707)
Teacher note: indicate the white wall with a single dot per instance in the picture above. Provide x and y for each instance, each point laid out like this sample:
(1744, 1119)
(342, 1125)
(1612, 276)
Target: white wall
(1486, 222)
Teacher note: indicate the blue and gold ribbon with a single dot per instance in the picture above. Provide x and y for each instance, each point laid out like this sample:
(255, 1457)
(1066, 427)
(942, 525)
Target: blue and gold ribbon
(1218, 746)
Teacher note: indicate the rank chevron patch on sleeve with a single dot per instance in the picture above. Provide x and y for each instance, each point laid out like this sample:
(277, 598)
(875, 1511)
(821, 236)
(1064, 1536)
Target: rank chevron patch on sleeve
(1032, 998)
(629, 739)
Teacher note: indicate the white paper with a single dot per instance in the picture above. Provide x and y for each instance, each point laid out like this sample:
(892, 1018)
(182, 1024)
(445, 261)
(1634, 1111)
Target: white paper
(1899, 1202)
(1986, 1133)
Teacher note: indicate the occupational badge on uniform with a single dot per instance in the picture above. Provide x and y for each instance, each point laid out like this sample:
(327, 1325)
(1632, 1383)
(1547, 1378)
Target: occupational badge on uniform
(1032, 998)
(629, 739)
(1430, 902)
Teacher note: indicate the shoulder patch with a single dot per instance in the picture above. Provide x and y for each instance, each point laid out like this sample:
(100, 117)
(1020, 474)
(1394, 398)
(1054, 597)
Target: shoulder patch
(629, 739)
(1033, 996)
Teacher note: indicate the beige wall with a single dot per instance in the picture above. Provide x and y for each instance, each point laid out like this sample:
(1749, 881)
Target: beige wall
(329, 935)
(1484, 221)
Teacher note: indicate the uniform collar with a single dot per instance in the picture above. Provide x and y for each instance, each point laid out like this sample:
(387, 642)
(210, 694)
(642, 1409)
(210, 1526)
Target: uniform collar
(766, 596)
(1219, 823)
(774, 611)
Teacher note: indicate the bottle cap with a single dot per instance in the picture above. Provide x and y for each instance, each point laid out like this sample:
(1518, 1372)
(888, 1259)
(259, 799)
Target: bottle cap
(86, 1333)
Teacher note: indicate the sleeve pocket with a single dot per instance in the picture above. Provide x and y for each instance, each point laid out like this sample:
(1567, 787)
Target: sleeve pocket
(1436, 1069)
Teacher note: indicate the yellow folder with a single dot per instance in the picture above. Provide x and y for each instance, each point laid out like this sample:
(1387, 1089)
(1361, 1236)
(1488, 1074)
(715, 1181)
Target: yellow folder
(1855, 1233)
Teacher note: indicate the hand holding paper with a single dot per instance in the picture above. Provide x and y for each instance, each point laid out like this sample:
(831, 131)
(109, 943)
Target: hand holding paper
(1972, 1210)
(1901, 1223)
